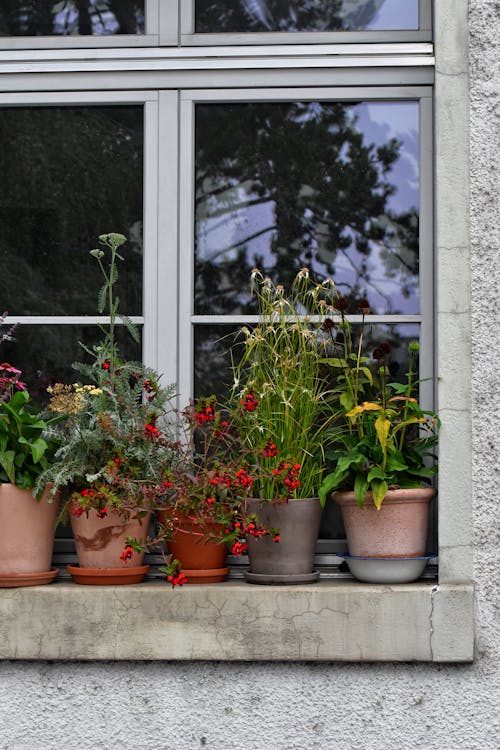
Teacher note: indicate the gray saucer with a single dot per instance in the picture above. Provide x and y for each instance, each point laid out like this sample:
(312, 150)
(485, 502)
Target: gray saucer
(283, 580)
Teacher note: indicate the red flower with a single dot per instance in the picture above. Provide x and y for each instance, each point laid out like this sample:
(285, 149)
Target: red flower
(239, 548)
(152, 431)
(204, 412)
(177, 579)
(102, 513)
(78, 511)
(270, 450)
(243, 478)
(127, 553)
(106, 364)
(249, 402)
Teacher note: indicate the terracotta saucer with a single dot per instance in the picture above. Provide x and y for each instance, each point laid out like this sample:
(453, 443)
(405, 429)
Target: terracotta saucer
(16, 580)
(210, 575)
(107, 576)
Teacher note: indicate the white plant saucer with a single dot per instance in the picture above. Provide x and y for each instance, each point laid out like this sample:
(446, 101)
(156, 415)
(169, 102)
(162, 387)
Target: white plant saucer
(386, 569)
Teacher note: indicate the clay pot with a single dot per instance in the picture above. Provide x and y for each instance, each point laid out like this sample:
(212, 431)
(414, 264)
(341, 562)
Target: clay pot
(291, 560)
(26, 536)
(202, 559)
(398, 529)
(101, 541)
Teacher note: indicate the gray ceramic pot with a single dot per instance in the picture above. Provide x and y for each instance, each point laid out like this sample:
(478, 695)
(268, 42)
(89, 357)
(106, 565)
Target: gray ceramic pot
(290, 560)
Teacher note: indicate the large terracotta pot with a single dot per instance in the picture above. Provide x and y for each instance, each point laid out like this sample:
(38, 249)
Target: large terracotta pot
(398, 529)
(203, 560)
(291, 560)
(26, 537)
(101, 541)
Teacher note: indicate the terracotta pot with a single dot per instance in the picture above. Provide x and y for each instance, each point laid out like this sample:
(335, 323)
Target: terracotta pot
(291, 560)
(100, 541)
(202, 559)
(398, 529)
(26, 533)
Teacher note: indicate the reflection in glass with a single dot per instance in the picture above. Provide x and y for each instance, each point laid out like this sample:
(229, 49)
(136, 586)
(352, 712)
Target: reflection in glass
(212, 360)
(68, 174)
(305, 15)
(71, 17)
(331, 186)
(45, 353)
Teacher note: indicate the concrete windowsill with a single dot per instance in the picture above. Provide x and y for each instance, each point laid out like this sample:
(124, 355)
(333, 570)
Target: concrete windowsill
(326, 621)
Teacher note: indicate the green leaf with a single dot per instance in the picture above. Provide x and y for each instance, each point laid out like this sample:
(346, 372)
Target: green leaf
(131, 327)
(7, 464)
(368, 373)
(346, 401)
(335, 362)
(329, 483)
(379, 489)
(376, 473)
(394, 464)
(360, 488)
(38, 448)
(102, 298)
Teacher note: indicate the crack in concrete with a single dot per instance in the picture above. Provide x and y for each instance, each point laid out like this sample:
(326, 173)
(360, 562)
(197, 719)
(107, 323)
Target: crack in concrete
(434, 591)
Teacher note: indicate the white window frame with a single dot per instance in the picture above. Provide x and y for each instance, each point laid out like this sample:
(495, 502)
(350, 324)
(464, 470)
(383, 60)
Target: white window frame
(188, 319)
(160, 21)
(330, 620)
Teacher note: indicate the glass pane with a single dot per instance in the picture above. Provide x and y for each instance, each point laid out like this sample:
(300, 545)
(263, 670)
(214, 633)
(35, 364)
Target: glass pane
(212, 360)
(331, 186)
(45, 353)
(75, 17)
(305, 15)
(67, 175)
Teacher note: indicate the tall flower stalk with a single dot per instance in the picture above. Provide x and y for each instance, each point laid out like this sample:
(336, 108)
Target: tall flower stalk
(279, 392)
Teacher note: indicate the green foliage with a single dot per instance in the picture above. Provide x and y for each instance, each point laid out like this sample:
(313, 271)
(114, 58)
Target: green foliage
(25, 445)
(381, 437)
(279, 393)
(112, 446)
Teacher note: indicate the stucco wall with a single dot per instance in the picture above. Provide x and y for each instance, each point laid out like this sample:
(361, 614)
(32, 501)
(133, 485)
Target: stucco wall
(45, 706)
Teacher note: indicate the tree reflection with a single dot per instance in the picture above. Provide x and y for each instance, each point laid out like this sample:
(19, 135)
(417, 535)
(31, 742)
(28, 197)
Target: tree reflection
(282, 186)
(285, 15)
(66, 175)
(84, 17)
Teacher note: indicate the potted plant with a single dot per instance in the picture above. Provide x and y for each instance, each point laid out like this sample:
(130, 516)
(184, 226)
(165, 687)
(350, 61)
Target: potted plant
(280, 403)
(200, 501)
(27, 522)
(382, 445)
(111, 446)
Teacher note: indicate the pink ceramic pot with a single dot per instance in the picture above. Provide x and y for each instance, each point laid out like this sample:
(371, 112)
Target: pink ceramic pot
(398, 529)
(101, 541)
(26, 531)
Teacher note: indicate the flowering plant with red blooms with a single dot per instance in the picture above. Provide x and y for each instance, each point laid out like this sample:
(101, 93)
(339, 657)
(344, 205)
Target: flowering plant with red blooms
(280, 398)
(213, 476)
(116, 433)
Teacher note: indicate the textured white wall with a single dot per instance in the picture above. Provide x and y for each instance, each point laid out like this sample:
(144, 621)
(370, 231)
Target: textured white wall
(54, 706)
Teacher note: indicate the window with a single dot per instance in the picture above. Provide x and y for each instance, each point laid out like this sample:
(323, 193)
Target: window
(183, 184)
